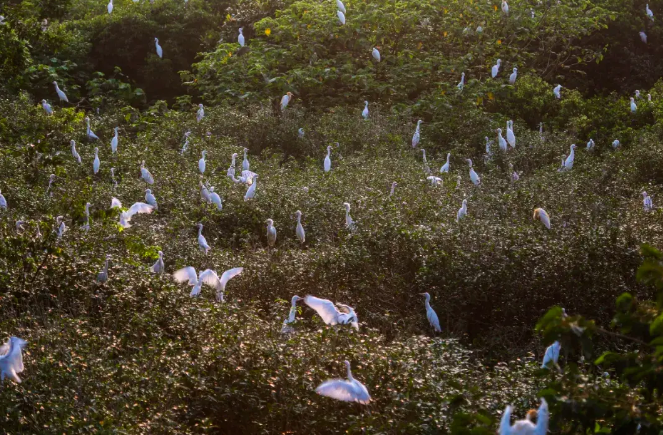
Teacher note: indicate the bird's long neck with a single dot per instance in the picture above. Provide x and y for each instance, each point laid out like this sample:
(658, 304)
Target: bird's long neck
(350, 374)
(200, 231)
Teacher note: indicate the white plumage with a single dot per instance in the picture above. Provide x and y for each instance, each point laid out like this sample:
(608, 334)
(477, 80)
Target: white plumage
(97, 163)
(327, 163)
(215, 199)
(61, 95)
(299, 230)
(542, 215)
(200, 114)
(501, 141)
(461, 83)
(551, 355)
(145, 174)
(431, 315)
(513, 76)
(376, 54)
(417, 134)
(287, 328)
(138, 207)
(201, 162)
(271, 233)
(285, 100)
(3, 201)
(47, 107)
(89, 133)
(568, 163)
(331, 315)
(634, 107)
(251, 191)
(473, 175)
(505, 7)
(341, 16)
(510, 137)
(114, 141)
(110, 6)
(202, 242)
(349, 222)
(158, 267)
(462, 211)
(496, 68)
(151, 199)
(557, 91)
(526, 427)
(208, 277)
(445, 167)
(245, 163)
(11, 359)
(643, 37)
(646, 202)
(74, 152)
(364, 113)
(347, 391)
(240, 37)
(590, 144)
(340, 6)
(158, 47)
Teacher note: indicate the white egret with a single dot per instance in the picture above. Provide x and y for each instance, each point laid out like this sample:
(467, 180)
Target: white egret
(97, 162)
(364, 113)
(542, 215)
(590, 144)
(300, 133)
(299, 230)
(61, 95)
(647, 202)
(47, 107)
(145, 174)
(526, 426)
(637, 94)
(473, 175)
(426, 167)
(510, 137)
(245, 163)
(59, 222)
(461, 83)
(201, 162)
(151, 199)
(347, 391)
(113, 178)
(513, 76)
(568, 163)
(102, 276)
(114, 141)
(86, 226)
(240, 37)
(19, 226)
(110, 6)
(434, 181)
(200, 114)
(286, 328)
(431, 315)
(208, 277)
(634, 107)
(643, 37)
(202, 242)
(505, 7)
(551, 355)
(445, 167)
(74, 152)
(501, 141)
(285, 100)
(557, 91)
(615, 144)
(340, 6)
(51, 180)
(458, 180)
(649, 97)
(158, 47)
(331, 315)
(89, 133)
(327, 162)
(376, 54)
(215, 199)
(204, 193)
(158, 267)
(393, 188)
(251, 191)
(3, 201)
(341, 16)
(649, 13)
(138, 207)
(271, 233)
(11, 359)
(231, 169)
(349, 223)
(496, 68)
(462, 211)
(417, 134)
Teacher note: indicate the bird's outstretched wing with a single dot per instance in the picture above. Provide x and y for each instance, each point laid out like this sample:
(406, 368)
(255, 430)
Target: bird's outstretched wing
(230, 274)
(338, 389)
(186, 274)
(139, 207)
(505, 423)
(542, 419)
(115, 203)
(209, 277)
(325, 308)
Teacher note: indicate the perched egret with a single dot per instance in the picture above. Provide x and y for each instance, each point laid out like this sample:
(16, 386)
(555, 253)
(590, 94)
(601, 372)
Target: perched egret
(649, 13)
(590, 144)
(3, 201)
(513, 76)
(646, 201)
(251, 191)
(138, 207)
(505, 7)
(557, 91)
(113, 178)
(501, 141)
(364, 112)
(51, 180)
(331, 315)
(568, 163)
(89, 133)
(376, 54)
(634, 107)
(285, 100)
(417, 134)
(551, 355)
(287, 329)
(526, 427)
(615, 144)
(541, 214)
(462, 211)
(158, 47)
(434, 181)
(393, 188)
(240, 37)
(151, 199)
(461, 83)
(231, 168)
(341, 16)
(496, 68)
(204, 193)
(102, 276)
(11, 359)
(643, 37)
(47, 107)
(327, 162)
(208, 277)
(145, 174)
(340, 6)
(59, 222)
(200, 114)
(97, 162)
(271, 233)
(202, 242)
(245, 163)
(426, 167)
(114, 141)
(300, 229)
(349, 223)
(86, 226)
(158, 267)
(473, 175)
(110, 6)
(445, 167)
(637, 94)
(347, 391)
(300, 133)
(201, 162)
(61, 95)
(458, 180)
(431, 315)
(510, 137)
(215, 199)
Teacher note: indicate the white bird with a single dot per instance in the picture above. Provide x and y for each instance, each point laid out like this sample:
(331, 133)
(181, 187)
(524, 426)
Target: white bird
(327, 162)
(349, 223)
(138, 207)
(551, 355)
(461, 83)
(61, 95)
(89, 133)
(287, 329)
(541, 214)
(102, 276)
(646, 201)
(113, 178)
(59, 222)
(568, 163)
(151, 199)
(204, 193)
(201, 162)
(649, 13)
(510, 137)
(86, 226)
(462, 211)
(514, 174)
(615, 144)
(364, 112)
(590, 144)
(376, 54)
(110, 6)
(285, 100)
(489, 153)
(649, 97)
(251, 191)
(200, 114)
(114, 141)
(501, 141)
(231, 168)
(300, 133)
(634, 107)
(341, 16)
(393, 188)
(473, 175)
(340, 6)
(426, 167)
(208, 277)
(11, 359)
(51, 180)
(434, 181)
(643, 37)
(347, 391)
(158, 267)
(245, 163)
(271, 233)
(513, 76)
(97, 162)
(417, 134)
(47, 107)
(158, 47)
(145, 174)
(331, 315)
(202, 242)
(240, 37)
(637, 94)
(215, 199)
(300, 229)
(526, 427)
(3, 201)
(556, 90)
(431, 315)
(505, 7)
(496, 68)
(445, 167)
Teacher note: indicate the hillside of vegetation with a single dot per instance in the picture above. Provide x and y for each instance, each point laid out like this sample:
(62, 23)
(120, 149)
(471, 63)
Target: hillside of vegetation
(137, 354)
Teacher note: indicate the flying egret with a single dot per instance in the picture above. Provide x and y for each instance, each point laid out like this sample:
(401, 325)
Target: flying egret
(505, 7)
(300, 133)
(649, 13)
(347, 391)
(461, 83)
(376, 54)
(364, 112)
(86, 226)
(251, 191)
(201, 162)
(526, 426)
(331, 315)
(551, 355)
(393, 188)
(271, 233)
(285, 100)
(245, 163)
(97, 162)
(341, 16)
(496, 68)
(473, 175)
(510, 137)
(240, 37)
(114, 141)
(47, 107)
(634, 107)
(151, 199)
(102, 276)
(643, 37)
(445, 167)
(138, 207)
(615, 144)
(145, 174)
(462, 211)
(417, 134)
(208, 277)
(200, 114)
(11, 359)
(286, 328)
(300, 229)
(59, 222)
(89, 133)
(568, 163)
(431, 315)
(590, 144)
(158, 267)
(340, 6)
(541, 214)
(202, 242)
(3, 201)
(434, 181)
(500, 140)
(349, 223)
(231, 168)
(556, 90)
(51, 180)
(215, 199)
(158, 47)
(61, 95)
(513, 76)
(647, 202)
